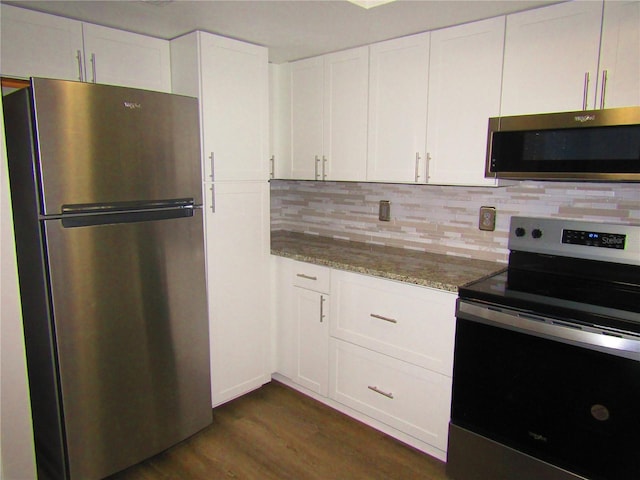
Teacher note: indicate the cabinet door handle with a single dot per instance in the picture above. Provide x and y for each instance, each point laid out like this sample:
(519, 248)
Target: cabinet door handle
(212, 165)
(317, 167)
(585, 94)
(80, 72)
(427, 164)
(603, 90)
(381, 392)
(272, 162)
(93, 67)
(322, 299)
(213, 198)
(306, 277)
(324, 167)
(417, 170)
(381, 317)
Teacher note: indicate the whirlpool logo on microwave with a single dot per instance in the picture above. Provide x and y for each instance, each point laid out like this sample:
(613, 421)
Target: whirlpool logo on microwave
(584, 118)
(132, 105)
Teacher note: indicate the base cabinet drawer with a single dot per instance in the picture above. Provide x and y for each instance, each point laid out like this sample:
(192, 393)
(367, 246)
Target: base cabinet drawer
(401, 395)
(311, 277)
(410, 323)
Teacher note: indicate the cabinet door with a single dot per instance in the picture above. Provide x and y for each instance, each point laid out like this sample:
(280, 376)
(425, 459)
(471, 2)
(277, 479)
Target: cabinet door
(551, 57)
(398, 79)
(115, 57)
(280, 120)
(311, 340)
(282, 316)
(464, 91)
(38, 45)
(346, 79)
(237, 248)
(234, 97)
(620, 55)
(306, 118)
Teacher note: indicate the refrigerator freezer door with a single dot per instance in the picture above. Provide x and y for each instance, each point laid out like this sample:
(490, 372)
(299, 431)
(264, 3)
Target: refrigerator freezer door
(131, 332)
(100, 144)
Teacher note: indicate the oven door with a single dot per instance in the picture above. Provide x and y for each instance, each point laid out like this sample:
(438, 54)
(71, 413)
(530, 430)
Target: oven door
(546, 390)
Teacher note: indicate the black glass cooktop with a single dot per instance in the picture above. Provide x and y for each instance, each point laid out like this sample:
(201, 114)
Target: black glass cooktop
(587, 292)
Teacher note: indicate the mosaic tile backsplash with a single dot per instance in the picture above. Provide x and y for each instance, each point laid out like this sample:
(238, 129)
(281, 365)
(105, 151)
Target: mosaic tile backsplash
(441, 219)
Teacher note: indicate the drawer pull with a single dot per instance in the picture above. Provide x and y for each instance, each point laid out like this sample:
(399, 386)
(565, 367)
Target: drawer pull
(377, 390)
(306, 277)
(386, 319)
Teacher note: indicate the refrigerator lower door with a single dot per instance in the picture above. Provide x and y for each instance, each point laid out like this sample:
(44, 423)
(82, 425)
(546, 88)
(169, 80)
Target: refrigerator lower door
(131, 333)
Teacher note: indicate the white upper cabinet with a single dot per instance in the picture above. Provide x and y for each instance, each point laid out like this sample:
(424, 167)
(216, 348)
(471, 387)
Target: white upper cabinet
(551, 58)
(619, 75)
(464, 91)
(398, 77)
(280, 124)
(231, 80)
(329, 96)
(346, 80)
(38, 45)
(306, 118)
(122, 58)
(234, 101)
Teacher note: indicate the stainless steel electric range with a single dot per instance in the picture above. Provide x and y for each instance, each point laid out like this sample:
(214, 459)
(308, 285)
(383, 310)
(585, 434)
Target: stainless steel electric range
(546, 380)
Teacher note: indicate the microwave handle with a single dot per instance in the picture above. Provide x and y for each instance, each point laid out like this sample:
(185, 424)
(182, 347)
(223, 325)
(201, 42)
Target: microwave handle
(585, 93)
(603, 89)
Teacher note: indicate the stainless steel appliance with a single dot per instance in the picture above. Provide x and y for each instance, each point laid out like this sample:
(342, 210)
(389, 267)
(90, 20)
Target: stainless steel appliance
(586, 145)
(546, 379)
(106, 193)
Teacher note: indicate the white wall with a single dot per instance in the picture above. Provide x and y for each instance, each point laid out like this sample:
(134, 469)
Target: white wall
(17, 459)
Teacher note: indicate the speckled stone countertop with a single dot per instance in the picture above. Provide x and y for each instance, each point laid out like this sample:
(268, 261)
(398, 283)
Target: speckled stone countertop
(444, 272)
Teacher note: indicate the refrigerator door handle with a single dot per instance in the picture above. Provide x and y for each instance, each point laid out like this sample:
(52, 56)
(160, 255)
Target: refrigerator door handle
(116, 207)
(72, 221)
(88, 215)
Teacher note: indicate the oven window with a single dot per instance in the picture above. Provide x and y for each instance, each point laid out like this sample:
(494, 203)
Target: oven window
(572, 407)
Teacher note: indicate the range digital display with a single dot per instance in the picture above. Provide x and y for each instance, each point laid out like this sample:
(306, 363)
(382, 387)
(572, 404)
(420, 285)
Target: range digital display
(594, 239)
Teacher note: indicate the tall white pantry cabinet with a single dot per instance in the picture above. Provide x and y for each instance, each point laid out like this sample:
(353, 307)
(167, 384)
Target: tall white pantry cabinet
(230, 78)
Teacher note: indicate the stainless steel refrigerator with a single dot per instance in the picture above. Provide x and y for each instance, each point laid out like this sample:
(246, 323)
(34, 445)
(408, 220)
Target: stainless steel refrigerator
(106, 193)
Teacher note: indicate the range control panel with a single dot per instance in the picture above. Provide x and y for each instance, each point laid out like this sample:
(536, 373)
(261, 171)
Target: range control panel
(594, 239)
(574, 238)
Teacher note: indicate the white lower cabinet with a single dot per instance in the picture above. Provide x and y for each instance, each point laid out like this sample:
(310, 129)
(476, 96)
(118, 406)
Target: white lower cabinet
(377, 349)
(412, 399)
(303, 330)
(311, 327)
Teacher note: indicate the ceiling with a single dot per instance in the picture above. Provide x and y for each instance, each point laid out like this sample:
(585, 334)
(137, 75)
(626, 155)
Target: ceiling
(291, 29)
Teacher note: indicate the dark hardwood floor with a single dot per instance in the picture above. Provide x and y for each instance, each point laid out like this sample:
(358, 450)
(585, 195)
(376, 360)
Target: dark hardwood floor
(278, 433)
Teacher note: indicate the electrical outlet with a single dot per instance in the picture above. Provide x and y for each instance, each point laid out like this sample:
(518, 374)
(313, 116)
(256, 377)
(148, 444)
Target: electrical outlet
(384, 211)
(487, 219)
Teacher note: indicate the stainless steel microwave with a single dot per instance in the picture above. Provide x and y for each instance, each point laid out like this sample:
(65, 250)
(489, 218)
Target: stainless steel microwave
(590, 145)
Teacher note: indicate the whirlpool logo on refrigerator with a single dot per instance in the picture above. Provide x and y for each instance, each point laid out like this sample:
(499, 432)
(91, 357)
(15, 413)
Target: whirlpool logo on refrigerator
(132, 105)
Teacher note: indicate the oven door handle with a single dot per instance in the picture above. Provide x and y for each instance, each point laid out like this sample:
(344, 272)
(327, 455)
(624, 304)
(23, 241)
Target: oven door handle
(552, 329)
